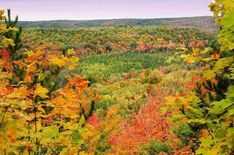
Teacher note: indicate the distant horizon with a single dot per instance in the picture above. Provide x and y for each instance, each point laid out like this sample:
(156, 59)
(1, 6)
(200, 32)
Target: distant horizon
(44, 10)
(112, 19)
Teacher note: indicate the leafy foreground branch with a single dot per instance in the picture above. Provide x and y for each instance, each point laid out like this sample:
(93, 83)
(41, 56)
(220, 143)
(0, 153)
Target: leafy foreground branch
(41, 111)
(209, 109)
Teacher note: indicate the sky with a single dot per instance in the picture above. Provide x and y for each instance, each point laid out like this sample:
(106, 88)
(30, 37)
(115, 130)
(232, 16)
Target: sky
(33, 10)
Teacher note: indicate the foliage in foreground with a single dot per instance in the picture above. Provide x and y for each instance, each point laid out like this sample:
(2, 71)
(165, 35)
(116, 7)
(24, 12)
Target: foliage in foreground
(41, 110)
(45, 112)
(209, 109)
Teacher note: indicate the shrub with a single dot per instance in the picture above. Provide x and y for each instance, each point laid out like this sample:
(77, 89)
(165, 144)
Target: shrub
(154, 148)
(104, 102)
(152, 77)
(185, 134)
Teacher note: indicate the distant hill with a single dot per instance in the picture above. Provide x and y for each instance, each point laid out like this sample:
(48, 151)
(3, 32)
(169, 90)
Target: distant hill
(204, 23)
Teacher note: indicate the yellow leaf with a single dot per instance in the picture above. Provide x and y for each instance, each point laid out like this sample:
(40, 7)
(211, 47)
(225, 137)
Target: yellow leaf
(190, 59)
(71, 52)
(41, 109)
(196, 51)
(1, 12)
(12, 29)
(41, 91)
(31, 68)
(30, 53)
(182, 48)
(72, 67)
(160, 40)
(74, 60)
(1, 15)
(8, 42)
(170, 100)
(38, 52)
(206, 50)
(206, 59)
(57, 61)
(21, 92)
(83, 153)
(3, 28)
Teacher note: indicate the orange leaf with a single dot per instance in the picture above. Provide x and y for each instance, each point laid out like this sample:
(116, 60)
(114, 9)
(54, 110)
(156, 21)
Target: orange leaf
(215, 55)
(28, 78)
(59, 100)
(4, 92)
(20, 63)
(5, 54)
(11, 135)
(78, 82)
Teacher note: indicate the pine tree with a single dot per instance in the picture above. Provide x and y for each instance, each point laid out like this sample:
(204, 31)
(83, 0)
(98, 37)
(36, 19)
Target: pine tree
(14, 35)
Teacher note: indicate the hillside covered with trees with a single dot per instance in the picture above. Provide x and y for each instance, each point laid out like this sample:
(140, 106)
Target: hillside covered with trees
(117, 90)
(204, 23)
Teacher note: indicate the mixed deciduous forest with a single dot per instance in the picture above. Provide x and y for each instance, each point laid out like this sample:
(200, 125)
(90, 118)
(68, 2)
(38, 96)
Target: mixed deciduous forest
(204, 23)
(102, 88)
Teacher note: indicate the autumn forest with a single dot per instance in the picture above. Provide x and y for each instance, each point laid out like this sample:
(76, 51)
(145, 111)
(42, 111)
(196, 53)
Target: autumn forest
(118, 87)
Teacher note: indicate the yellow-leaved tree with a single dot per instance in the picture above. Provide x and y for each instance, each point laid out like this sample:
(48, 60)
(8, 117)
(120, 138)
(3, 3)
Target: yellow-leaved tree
(42, 101)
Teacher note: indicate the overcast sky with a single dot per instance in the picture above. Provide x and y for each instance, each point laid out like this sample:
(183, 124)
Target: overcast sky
(105, 9)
